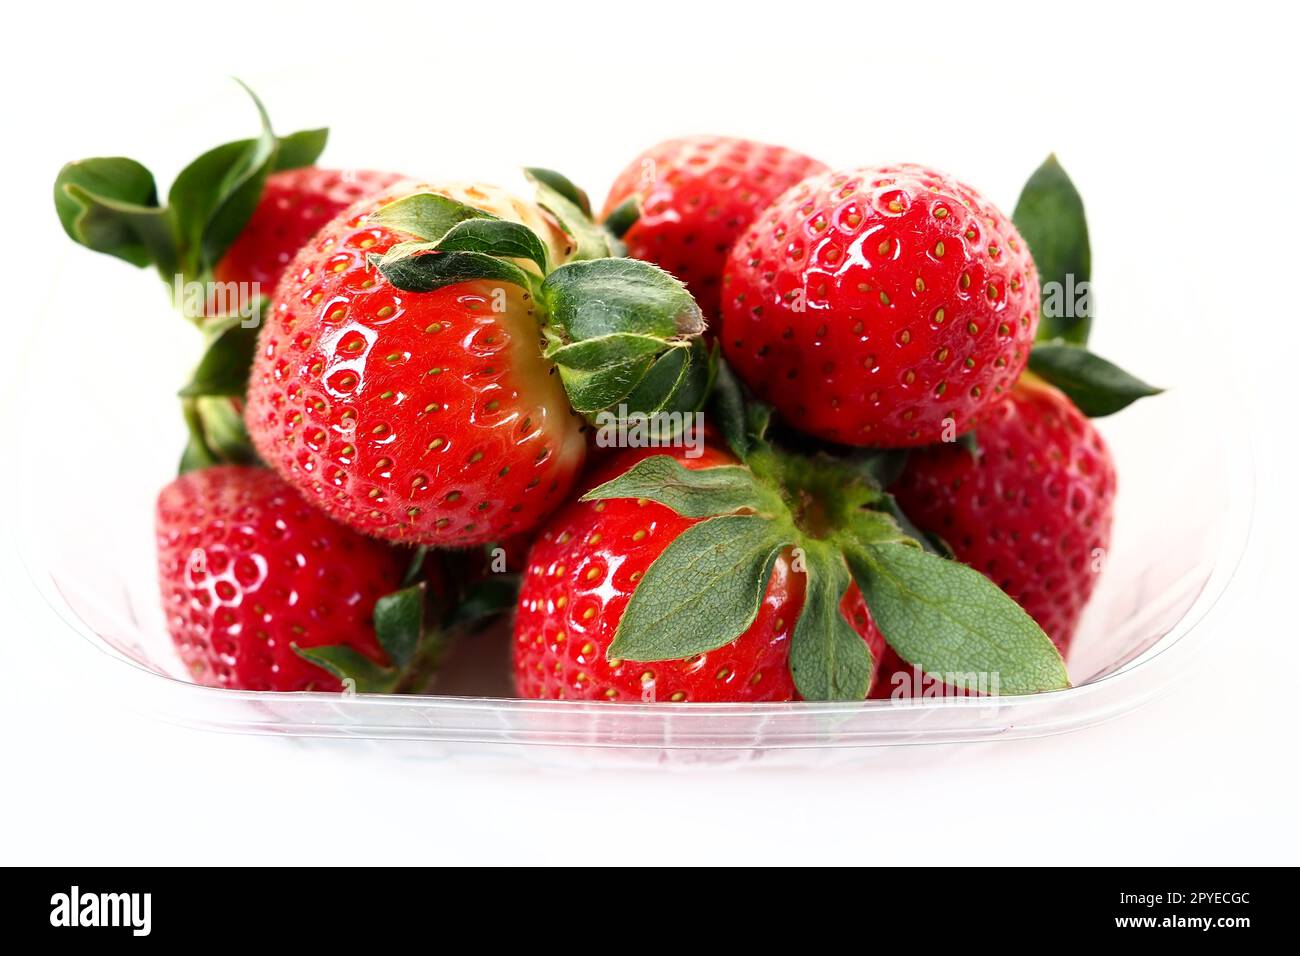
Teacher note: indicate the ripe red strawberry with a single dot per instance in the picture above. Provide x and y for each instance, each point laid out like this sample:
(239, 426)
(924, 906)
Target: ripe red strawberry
(426, 417)
(697, 194)
(881, 306)
(581, 574)
(1031, 508)
(295, 204)
(420, 384)
(248, 570)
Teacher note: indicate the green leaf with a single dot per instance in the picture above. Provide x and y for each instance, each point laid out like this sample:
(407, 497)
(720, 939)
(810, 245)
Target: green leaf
(758, 419)
(110, 205)
(953, 622)
(347, 664)
(399, 623)
(486, 598)
(495, 237)
(227, 361)
(196, 454)
(598, 373)
(612, 325)
(562, 185)
(431, 271)
(727, 406)
(223, 429)
(213, 197)
(1051, 219)
(590, 240)
(1096, 386)
(427, 215)
(195, 457)
(869, 525)
(697, 383)
(704, 591)
(881, 466)
(605, 296)
(300, 149)
(623, 217)
(661, 384)
(889, 505)
(828, 659)
(216, 434)
(691, 492)
(415, 570)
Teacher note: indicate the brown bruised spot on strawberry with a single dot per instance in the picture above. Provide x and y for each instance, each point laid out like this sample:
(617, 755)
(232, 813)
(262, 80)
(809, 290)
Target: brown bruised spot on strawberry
(675, 575)
(426, 369)
(683, 203)
(883, 306)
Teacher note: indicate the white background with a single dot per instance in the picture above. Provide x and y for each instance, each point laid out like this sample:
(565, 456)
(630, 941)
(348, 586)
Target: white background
(1178, 126)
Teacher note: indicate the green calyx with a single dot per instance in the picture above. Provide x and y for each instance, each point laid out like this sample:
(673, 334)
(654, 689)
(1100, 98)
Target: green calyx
(402, 628)
(212, 400)
(624, 334)
(1096, 386)
(1051, 219)
(111, 204)
(624, 216)
(415, 629)
(837, 525)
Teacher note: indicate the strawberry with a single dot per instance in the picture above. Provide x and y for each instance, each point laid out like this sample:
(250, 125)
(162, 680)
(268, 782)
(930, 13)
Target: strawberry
(581, 574)
(1029, 499)
(419, 372)
(1031, 507)
(248, 570)
(770, 575)
(882, 306)
(695, 196)
(294, 205)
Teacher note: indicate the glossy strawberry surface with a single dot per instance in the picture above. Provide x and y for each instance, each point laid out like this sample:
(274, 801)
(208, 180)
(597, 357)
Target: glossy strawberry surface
(581, 573)
(881, 306)
(698, 194)
(425, 418)
(1032, 509)
(247, 569)
(295, 204)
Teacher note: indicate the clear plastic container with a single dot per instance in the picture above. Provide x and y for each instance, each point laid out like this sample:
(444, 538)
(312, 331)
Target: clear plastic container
(1183, 516)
